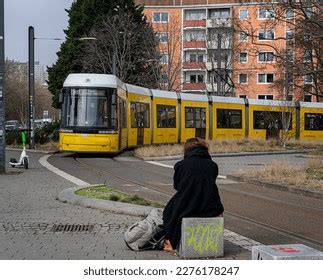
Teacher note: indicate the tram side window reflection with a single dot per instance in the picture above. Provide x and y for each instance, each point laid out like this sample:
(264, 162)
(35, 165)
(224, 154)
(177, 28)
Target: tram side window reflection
(229, 118)
(166, 116)
(139, 115)
(195, 117)
(270, 120)
(313, 121)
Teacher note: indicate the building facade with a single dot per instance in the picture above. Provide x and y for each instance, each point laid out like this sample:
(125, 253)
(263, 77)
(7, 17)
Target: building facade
(226, 48)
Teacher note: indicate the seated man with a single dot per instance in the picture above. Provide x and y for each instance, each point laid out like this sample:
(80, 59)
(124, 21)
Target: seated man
(197, 194)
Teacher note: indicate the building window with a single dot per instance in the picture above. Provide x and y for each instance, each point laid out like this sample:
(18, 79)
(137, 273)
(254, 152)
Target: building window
(243, 57)
(290, 78)
(166, 116)
(265, 96)
(266, 35)
(163, 59)
(161, 17)
(309, 12)
(139, 115)
(244, 96)
(243, 36)
(164, 78)
(307, 98)
(289, 14)
(195, 14)
(266, 57)
(289, 56)
(308, 56)
(194, 57)
(265, 78)
(220, 13)
(243, 78)
(243, 15)
(162, 37)
(266, 13)
(191, 36)
(308, 79)
(313, 121)
(229, 118)
(196, 78)
(290, 34)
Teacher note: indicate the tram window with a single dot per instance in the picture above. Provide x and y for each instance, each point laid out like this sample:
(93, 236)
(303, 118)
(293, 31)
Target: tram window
(313, 121)
(123, 114)
(139, 115)
(266, 120)
(229, 118)
(166, 116)
(195, 117)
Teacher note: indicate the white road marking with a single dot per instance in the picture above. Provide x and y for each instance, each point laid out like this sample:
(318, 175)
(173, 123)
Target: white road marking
(230, 236)
(43, 161)
(170, 166)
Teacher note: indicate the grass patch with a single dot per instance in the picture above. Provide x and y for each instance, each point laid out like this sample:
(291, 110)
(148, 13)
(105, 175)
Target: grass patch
(281, 172)
(103, 192)
(231, 147)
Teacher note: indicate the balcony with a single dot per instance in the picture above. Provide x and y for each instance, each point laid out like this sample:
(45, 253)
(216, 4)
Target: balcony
(194, 23)
(225, 44)
(219, 22)
(213, 87)
(194, 65)
(194, 86)
(214, 65)
(194, 44)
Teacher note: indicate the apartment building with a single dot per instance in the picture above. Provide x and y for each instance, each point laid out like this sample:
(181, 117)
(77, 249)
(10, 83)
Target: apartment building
(225, 48)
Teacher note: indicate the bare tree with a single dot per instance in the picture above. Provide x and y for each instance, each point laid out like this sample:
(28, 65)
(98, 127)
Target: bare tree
(169, 36)
(125, 45)
(16, 91)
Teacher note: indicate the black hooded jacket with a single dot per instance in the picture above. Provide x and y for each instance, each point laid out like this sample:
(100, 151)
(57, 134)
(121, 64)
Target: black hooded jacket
(197, 194)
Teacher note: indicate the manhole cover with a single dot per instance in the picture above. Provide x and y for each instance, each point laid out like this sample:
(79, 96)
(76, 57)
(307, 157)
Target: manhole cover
(72, 228)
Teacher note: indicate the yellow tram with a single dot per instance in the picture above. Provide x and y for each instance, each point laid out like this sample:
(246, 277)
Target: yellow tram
(101, 114)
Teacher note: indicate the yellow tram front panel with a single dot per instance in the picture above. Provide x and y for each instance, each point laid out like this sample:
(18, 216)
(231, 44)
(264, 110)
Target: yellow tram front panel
(228, 118)
(165, 120)
(193, 127)
(258, 129)
(311, 119)
(139, 125)
(85, 143)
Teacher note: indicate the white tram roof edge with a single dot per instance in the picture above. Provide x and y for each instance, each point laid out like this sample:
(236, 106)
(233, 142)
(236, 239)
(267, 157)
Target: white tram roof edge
(93, 80)
(138, 90)
(276, 103)
(317, 105)
(164, 94)
(193, 97)
(224, 99)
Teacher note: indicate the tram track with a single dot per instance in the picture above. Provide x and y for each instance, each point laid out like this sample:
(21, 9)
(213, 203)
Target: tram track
(168, 194)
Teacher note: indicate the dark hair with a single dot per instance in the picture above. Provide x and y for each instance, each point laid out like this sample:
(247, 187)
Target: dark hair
(195, 142)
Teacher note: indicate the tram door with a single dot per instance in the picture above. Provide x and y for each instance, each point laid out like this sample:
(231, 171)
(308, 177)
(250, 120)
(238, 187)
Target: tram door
(200, 123)
(140, 127)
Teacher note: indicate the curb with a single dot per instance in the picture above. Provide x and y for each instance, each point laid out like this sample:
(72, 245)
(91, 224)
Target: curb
(32, 151)
(69, 196)
(304, 192)
(229, 155)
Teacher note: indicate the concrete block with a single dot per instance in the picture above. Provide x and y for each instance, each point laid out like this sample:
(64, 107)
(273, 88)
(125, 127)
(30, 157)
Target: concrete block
(201, 238)
(285, 252)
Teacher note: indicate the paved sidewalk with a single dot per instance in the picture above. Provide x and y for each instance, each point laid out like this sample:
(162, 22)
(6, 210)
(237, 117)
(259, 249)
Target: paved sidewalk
(30, 213)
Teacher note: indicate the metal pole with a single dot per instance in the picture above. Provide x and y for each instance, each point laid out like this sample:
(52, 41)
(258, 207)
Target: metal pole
(219, 61)
(31, 62)
(2, 93)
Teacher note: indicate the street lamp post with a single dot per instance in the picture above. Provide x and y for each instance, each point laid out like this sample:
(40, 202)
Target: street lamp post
(2, 103)
(31, 78)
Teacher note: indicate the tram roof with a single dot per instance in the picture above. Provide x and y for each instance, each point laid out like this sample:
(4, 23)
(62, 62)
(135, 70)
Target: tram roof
(138, 90)
(311, 105)
(276, 103)
(193, 97)
(224, 99)
(93, 80)
(164, 94)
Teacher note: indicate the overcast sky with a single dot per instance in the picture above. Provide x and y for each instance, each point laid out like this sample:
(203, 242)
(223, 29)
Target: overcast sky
(49, 19)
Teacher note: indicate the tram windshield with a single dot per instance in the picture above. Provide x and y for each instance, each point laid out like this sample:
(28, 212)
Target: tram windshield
(89, 109)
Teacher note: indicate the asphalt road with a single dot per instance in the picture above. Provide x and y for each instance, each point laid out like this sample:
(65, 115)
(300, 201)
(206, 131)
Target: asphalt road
(265, 215)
